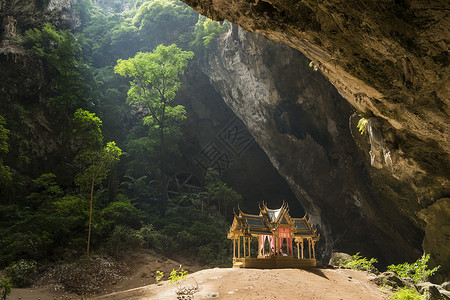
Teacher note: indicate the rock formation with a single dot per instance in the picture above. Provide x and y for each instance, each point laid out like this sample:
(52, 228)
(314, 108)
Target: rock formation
(390, 61)
(302, 123)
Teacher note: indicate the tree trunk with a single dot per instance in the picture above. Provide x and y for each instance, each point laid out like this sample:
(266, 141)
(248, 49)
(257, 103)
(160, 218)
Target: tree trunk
(90, 209)
(163, 174)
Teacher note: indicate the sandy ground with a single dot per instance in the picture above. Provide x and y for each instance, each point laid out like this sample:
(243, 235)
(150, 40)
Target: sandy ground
(266, 284)
(225, 283)
(140, 271)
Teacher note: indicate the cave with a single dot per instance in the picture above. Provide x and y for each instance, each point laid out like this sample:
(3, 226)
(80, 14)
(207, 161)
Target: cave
(339, 109)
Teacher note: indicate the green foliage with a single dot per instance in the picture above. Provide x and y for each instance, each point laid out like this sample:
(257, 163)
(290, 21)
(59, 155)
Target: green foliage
(87, 129)
(192, 231)
(139, 190)
(121, 212)
(102, 161)
(32, 232)
(4, 135)
(164, 21)
(45, 189)
(47, 213)
(155, 81)
(83, 7)
(22, 273)
(177, 276)
(219, 193)
(358, 262)
(70, 80)
(406, 294)
(99, 159)
(159, 276)
(5, 171)
(5, 287)
(417, 271)
(141, 27)
(124, 239)
(207, 31)
(362, 124)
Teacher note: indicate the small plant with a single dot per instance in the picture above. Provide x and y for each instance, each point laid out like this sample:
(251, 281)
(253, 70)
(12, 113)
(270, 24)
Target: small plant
(177, 277)
(357, 262)
(362, 124)
(406, 294)
(5, 287)
(313, 66)
(417, 271)
(159, 276)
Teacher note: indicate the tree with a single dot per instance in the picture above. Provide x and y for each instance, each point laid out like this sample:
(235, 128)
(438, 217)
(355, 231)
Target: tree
(5, 171)
(219, 192)
(70, 81)
(98, 158)
(164, 21)
(155, 80)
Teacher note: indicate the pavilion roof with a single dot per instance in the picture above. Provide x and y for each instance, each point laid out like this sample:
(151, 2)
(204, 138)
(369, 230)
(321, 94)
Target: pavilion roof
(268, 221)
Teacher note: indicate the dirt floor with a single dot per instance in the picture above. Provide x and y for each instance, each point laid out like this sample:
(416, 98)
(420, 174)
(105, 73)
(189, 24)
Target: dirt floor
(266, 284)
(223, 283)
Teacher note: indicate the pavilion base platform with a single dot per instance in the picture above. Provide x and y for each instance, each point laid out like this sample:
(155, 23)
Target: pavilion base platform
(277, 262)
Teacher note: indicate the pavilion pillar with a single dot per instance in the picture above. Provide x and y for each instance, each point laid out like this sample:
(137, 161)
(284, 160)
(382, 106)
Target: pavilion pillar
(314, 251)
(301, 245)
(244, 241)
(298, 251)
(259, 246)
(239, 247)
(309, 247)
(249, 240)
(234, 248)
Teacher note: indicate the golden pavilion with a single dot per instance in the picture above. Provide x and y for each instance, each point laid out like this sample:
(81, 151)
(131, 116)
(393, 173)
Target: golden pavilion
(276, 232)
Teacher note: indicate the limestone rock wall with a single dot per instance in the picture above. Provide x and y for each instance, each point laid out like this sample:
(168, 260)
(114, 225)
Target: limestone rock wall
(302, 123)
(34, 13)
(22, 79)
(387, 58)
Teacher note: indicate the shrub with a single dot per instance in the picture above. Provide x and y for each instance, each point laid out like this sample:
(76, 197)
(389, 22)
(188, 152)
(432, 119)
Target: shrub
(406, 294)
(358, 262)
(121, 212)
(417, 271)
(154, 239)
(5, 287)
(124, 239)
(22, 272)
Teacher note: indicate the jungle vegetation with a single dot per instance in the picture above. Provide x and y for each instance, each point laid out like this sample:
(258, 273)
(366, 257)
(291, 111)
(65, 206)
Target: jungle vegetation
(102, 190)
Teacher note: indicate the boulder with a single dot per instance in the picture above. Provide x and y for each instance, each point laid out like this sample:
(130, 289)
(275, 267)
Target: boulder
(338, 256)
(422, 285)
(445, 294)
(446, 286)
(389, 279)
(430, 291)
